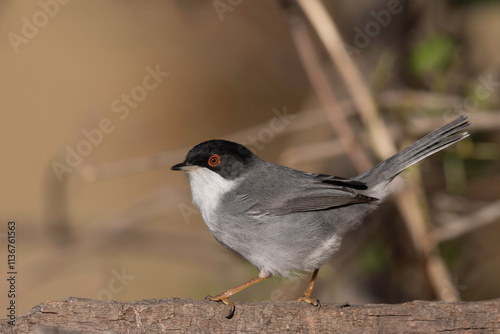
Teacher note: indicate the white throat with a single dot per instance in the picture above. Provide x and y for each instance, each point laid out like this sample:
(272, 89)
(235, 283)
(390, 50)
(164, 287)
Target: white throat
(207, 190)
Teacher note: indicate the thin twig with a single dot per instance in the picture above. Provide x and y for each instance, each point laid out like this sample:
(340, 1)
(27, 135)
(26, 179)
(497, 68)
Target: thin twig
(383, 145)
(323, 90)
(330, 37)
(92, 173)
(461, 225)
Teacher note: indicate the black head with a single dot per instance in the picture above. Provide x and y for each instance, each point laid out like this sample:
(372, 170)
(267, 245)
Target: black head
(226, 158)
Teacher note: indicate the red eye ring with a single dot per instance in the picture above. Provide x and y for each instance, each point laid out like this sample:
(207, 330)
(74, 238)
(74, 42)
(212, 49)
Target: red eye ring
(214, 160)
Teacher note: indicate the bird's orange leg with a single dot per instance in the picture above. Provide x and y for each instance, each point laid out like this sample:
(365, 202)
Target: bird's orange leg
(306, 297)
(224, 297)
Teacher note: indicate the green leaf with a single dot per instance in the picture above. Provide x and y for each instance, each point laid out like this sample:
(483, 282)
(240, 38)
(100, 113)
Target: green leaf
(433, 54)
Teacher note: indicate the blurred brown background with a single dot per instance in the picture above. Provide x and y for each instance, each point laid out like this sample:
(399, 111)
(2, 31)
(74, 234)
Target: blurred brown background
(120, 225)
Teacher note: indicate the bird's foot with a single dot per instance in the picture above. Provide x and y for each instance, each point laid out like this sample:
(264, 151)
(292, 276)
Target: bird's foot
(309, 300)
(225, 301)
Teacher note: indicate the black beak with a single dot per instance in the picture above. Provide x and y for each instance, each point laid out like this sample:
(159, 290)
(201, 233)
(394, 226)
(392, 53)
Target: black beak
(182, 166)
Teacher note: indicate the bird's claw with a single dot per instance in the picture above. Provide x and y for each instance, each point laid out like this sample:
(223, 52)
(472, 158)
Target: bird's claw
(309, 300)
(225, 301)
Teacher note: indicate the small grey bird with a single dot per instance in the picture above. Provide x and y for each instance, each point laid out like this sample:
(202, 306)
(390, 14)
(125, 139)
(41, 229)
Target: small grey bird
(283, 220)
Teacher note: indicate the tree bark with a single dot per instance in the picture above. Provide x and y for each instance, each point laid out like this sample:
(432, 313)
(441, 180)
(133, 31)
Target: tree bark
(78, 315)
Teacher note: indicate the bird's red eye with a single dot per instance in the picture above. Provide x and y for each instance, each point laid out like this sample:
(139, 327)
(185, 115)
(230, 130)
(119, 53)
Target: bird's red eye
(214, 160)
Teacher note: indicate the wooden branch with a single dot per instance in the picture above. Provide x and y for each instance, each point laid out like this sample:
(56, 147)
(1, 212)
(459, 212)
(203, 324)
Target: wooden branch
(78, 315)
